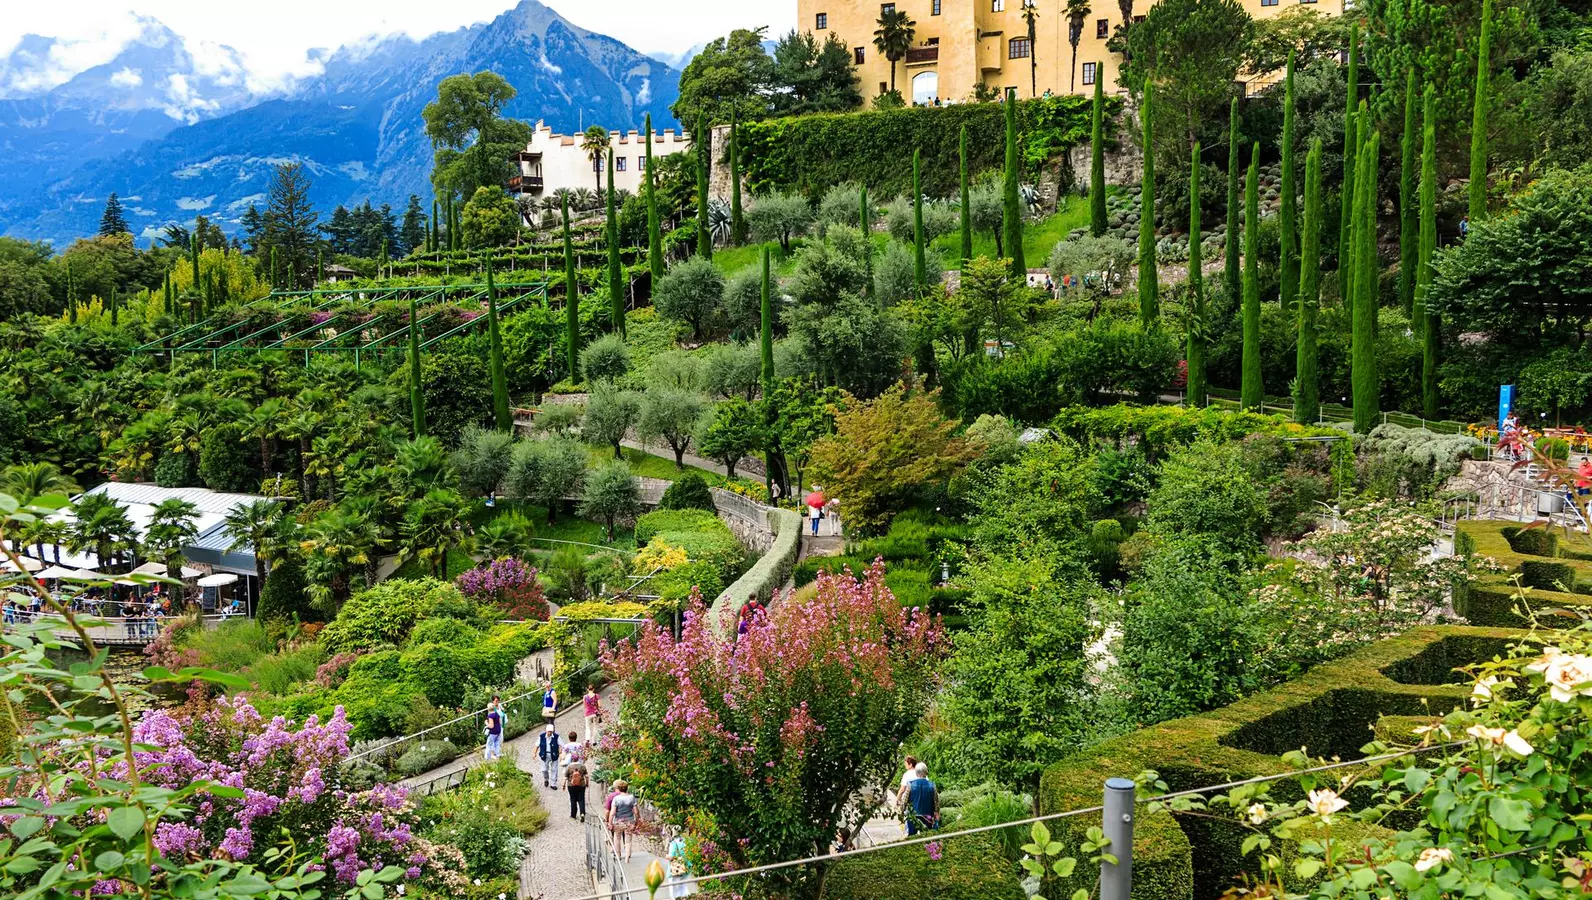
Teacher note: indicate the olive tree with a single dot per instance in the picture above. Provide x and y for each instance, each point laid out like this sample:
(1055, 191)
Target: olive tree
(692, 291)
(610, 494)
(779, 217)
(610, 414)
(671, 415)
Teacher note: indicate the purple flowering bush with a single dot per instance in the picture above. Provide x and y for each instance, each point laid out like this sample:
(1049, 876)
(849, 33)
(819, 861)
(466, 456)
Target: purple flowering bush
(509, 584)
(286, 775)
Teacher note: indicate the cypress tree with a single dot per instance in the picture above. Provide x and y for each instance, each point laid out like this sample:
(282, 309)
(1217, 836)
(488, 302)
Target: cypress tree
(1149, 277)
(274, 284)
(193, 256)
(704, 232)
(1408, 214)
(1350, 144)
(1196, 286)
(616, 268)
(737, 221)
(1288, 191)
(1478, 118)
(654, 235)
(320, 263)
(1423, 265)
(1230, 267)
(71, 294)
(867, 243)
(571, 299)
(165, 292)
(431, 230)
(114, 309)
(919, 264)
(1346, 246)
(417, 403)
(967, 209)
(766, 331)
(1252, 394)
(1307, 396)
(1097, 159)
(501, 416)
(1363, 363)
(1012, 208)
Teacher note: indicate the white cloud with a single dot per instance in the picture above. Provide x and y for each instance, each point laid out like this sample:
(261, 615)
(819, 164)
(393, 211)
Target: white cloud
(550, 66)
(645, 94)
(196, 202)
(127, 78)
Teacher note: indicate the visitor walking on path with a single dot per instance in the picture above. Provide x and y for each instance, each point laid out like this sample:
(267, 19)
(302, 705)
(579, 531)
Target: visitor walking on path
(549, 703)
(575, 779)
(547, 752)
(922, 802)
(679, 869)
(494, 730)
(593, 709)
(622, 819)
(815, 507)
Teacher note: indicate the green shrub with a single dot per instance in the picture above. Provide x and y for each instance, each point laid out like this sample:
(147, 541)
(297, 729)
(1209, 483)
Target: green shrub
(377, 695)
(231, 646)
(386, 613)
(176, 470)
(226, 462)
(1557, 449)
(718, 548)
(425, 756)
(971, 866)
(674, 586)
(690, 492)
(277, 673)
(675, 519)
(1549, 576)
(359, 774)
(605, 359)
(284, 596)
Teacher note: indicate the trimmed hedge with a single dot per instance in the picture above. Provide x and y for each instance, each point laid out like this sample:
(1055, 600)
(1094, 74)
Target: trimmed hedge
(1537, 558)
(968, 867)
(1330, 710)
(768, 574)
(1550, 576)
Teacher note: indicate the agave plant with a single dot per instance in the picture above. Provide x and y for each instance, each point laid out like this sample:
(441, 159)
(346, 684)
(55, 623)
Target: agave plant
(1030, 197)
(719, 220)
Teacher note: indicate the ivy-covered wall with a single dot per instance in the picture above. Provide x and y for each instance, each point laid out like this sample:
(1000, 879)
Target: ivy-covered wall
(810, 154)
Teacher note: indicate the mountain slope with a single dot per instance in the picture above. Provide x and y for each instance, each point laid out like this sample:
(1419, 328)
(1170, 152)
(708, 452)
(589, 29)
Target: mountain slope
(357, 127)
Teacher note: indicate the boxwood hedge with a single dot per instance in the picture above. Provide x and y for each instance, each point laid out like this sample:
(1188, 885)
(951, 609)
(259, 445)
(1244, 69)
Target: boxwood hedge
(1535, 556)
(1331, 710)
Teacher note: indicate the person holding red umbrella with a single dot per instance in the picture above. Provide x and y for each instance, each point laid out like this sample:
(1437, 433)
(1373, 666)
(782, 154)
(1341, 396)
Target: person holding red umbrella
(815, 506)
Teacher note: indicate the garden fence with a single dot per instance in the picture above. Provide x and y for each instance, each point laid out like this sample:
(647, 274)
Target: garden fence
(1119, 801)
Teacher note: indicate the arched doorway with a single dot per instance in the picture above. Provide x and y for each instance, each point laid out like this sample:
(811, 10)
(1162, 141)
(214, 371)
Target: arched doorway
(925, 88)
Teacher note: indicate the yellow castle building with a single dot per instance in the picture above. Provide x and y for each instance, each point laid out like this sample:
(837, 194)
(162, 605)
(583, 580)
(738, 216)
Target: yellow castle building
(958, 44)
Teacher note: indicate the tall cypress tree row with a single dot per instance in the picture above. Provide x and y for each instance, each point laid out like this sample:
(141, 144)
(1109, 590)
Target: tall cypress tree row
(502, 417)
(1351, 142)
(1196, 287)
(1288, 193)
(1307, 392)
(616, 268)
(571, 300)
(1478, 118)
(1149, 276)
(737, 220)
(431, 230)
(1408, 214)
(766, 330)
(967, 207)
(1430, 331)
(1012, 208)
(1230, 271)
(417, 402)
(704, 232)
(1252, 393)
(1097, 158)
(654, 235)
(1363, 372)
(919, 262)
(866, 219)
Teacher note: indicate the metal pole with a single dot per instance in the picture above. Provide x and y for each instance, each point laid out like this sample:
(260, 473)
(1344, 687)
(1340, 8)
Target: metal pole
(1116, 879)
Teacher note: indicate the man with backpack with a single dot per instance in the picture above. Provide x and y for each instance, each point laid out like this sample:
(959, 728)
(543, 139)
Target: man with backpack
(547, 752)
(575, 780)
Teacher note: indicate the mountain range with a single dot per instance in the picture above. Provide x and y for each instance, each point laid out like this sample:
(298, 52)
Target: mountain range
(178, 133)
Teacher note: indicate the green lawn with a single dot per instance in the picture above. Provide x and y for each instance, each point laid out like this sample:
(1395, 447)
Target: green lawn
(734, 259)
(1039, 238)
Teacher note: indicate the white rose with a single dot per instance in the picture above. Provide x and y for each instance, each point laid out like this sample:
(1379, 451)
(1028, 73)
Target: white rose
(1325, 802)
(1432, 857)
(1257, 813)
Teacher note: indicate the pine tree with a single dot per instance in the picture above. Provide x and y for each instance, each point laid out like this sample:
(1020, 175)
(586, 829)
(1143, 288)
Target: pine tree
(1423, 264)
(571, 299)
(412, 236)
(967, 206)
(417, 402)
(1196, 287)
(1149, 276)
(1252, 393)
(112, 220)
(1478, 118)
(616, 268)
(502, 417)
(737, 220)
(1230, 270)
(1012, 208)
(1366, 381)
(704, 231)
(1097, 159)
(1288, 193)
(654, 236)
(1306, 388)
(919, 261)
(766, 331)
(1350, 144)
(1408, 214)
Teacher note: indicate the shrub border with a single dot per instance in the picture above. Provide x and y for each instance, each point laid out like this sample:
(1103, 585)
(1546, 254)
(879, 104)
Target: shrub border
(769, 573)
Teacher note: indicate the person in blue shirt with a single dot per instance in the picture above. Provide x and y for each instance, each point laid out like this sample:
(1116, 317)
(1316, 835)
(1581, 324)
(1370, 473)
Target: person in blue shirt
(547, 752)
(921, 799)
(494, 730)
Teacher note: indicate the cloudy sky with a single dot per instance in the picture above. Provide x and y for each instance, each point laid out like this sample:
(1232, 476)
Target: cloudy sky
(275, 38)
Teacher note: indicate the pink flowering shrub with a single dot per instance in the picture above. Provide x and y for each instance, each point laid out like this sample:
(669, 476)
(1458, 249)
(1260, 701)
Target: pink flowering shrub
(756, 746)
(283, 775)
(509, 584)
(331, 673)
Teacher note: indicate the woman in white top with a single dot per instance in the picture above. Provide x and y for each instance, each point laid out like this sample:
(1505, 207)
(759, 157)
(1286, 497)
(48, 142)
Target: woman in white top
(899, 796)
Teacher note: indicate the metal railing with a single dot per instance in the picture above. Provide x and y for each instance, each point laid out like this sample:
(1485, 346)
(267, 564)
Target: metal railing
(112, 629)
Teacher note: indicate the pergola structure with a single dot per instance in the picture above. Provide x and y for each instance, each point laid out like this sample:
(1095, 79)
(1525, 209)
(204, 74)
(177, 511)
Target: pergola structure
(342, 321)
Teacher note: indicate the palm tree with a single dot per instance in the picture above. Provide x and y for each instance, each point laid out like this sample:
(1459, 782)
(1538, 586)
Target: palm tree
(171, 527)
(301, 427)
(893, 37)
(1031, 17)
(262, 424)
(1077, 12)
(595, 143)
(102, 525)
(254, 526)
(420, 465)
(583, 199)
(337, 547)
(29, 481)
(433, 527)
(505, 536)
